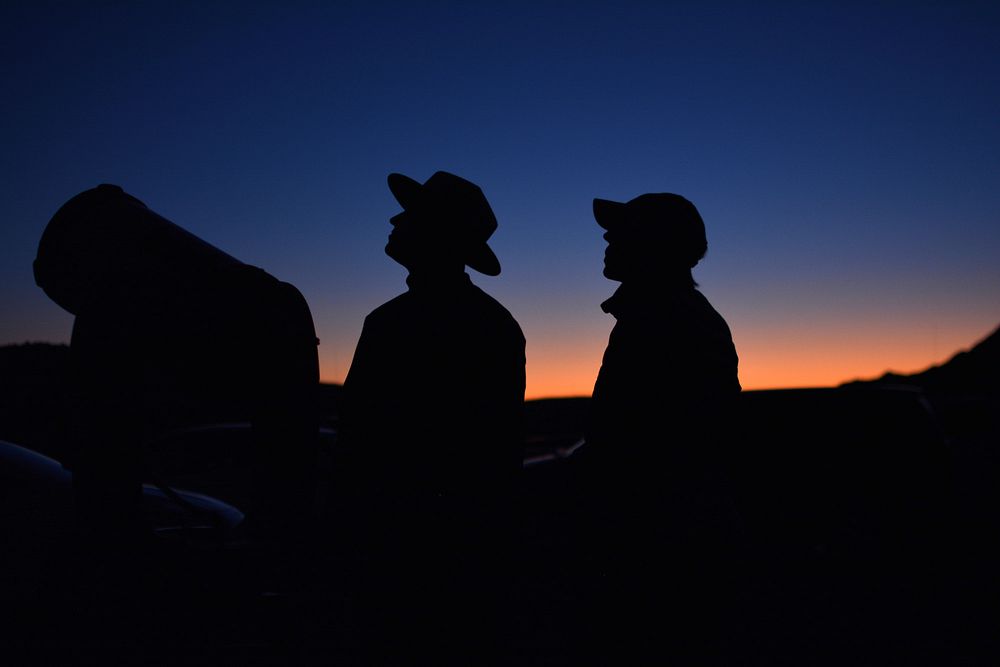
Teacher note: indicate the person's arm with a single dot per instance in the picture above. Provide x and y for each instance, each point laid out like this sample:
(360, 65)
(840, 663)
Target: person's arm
(356, 395)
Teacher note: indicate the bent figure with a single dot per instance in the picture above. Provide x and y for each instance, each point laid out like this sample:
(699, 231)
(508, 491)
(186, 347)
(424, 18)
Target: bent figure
(431, 426)
(654, 456)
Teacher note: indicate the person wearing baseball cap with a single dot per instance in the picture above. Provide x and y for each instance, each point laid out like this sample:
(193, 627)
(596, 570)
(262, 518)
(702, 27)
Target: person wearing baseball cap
(670, 353)
(652, 456)
(431, 421)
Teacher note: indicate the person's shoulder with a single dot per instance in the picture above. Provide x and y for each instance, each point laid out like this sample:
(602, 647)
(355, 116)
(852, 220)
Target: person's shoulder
(390, 310)
(496, 312)
(485, 300)
(709, 317)
(701, 302)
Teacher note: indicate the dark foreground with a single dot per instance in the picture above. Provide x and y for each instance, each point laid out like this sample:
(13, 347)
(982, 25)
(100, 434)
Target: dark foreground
(868, 539)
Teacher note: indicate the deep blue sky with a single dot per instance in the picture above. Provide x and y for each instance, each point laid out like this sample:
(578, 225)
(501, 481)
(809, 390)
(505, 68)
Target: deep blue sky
(845, 157)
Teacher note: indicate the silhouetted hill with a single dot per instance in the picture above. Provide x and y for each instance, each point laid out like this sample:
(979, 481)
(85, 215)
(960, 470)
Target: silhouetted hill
(33, 364)
(34, 394)
(975, 371)
(34, 402)
(329, 402)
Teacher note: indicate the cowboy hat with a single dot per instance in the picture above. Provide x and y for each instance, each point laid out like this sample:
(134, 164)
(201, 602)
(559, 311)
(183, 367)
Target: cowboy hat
(459, 206)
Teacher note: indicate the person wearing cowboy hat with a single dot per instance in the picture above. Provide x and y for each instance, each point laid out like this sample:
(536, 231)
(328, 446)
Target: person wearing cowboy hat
(651, 461)
(431, 420)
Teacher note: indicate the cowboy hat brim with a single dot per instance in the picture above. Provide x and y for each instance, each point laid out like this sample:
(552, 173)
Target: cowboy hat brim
(404, 189)
(482, 259)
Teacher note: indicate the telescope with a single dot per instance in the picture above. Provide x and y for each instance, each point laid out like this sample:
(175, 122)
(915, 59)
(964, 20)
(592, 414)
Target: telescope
(171, 332)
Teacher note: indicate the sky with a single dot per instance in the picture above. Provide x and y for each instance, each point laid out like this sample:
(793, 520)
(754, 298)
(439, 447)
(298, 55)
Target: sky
(844, 156)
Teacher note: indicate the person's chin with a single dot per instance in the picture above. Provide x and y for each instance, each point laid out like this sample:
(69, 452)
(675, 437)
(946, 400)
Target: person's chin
(610, 265)
(396, 254)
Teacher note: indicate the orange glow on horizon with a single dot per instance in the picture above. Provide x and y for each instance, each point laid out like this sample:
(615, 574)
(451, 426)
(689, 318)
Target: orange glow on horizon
(799, 359)
(768, 359)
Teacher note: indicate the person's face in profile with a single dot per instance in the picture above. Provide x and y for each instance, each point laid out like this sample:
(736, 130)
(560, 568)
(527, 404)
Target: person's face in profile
(404, 238)
(633, 253)
(612, 257)
(620, 256)
(417, 243)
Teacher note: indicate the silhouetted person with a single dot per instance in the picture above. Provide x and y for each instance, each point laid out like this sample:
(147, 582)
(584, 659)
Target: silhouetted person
(431, 421)
(653, 458)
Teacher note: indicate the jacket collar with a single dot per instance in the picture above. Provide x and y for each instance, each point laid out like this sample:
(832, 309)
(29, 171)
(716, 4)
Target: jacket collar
(635, 298)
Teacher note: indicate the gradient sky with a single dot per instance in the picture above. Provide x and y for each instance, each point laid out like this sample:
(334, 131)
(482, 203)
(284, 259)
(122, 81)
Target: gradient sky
(845, 157)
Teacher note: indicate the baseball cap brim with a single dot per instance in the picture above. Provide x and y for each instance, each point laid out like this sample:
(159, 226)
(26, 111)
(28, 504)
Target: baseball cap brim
(609, 213)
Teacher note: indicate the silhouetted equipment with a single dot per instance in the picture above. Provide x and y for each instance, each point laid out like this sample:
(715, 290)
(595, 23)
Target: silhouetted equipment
(105, 240)
(169, 332)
